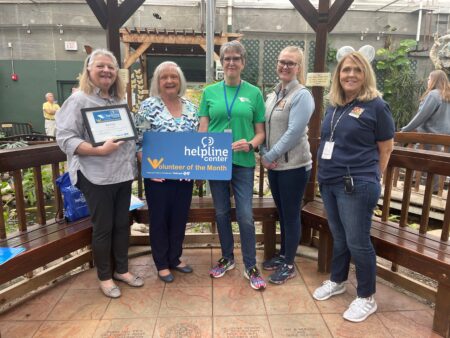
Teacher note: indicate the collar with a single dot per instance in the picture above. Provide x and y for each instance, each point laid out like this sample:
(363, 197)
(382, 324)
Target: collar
(291, 85)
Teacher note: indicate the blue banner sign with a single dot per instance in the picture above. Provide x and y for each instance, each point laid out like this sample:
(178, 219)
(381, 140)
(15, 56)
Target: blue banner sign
(107, 116)
(205, 156)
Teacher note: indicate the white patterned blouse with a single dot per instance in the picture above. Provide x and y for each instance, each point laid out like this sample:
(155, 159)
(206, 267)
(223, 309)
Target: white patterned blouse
(153, 115)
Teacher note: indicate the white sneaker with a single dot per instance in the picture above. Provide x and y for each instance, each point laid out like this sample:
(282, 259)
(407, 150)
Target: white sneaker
(328, 289)
(360, 309)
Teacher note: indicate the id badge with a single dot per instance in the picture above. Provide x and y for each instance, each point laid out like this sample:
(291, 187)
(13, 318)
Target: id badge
(328, 150)
(227, 131)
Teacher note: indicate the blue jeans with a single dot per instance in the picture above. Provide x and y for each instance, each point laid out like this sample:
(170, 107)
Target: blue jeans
(242, 185)
(350, 219)
(287, 188)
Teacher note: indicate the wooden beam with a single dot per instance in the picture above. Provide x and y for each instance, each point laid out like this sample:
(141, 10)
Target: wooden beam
(138, 52)
(308, 12)
(216, 57)
(337, 10)
(112, 30)
(170, 39)
(100, 12)
(127, 9)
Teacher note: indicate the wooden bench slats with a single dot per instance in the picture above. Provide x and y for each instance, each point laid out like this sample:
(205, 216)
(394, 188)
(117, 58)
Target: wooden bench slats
(45, 249)
(33, 234)
(202, 210)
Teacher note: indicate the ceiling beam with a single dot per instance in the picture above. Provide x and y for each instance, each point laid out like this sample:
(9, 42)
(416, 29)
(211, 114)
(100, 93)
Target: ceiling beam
(337, 11)
(100, 12)
(307, 10)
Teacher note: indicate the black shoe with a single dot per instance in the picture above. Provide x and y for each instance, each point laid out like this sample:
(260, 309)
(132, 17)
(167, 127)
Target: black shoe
(167, 279)
(183, 269)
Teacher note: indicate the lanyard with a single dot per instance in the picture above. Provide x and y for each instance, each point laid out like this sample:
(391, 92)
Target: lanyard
(339, 119)
(230, 108)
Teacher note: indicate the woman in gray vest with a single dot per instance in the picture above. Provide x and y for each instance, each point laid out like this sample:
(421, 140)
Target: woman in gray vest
(286, 155)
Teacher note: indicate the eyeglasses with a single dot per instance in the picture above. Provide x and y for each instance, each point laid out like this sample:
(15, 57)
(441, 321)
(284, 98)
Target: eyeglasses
(288, 64)
(232, 58)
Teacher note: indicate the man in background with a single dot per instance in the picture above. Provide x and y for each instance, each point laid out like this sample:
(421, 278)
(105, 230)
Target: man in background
(49, 109)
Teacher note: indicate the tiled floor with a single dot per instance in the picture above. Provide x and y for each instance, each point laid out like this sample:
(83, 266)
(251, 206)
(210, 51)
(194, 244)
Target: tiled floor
(197, 306)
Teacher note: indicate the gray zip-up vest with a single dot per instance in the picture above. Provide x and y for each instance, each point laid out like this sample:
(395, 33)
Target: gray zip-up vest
(278, 109)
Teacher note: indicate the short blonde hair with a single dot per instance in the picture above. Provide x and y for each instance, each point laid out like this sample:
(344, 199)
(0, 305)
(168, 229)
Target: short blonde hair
(368, 90)
(86, 85)
(154, 87)
(300, 61)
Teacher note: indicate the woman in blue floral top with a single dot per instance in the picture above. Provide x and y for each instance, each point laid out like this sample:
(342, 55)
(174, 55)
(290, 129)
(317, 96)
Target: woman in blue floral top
(168, 200)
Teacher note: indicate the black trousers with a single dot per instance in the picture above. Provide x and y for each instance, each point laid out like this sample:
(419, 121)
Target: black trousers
(168, 204)
(109, 207)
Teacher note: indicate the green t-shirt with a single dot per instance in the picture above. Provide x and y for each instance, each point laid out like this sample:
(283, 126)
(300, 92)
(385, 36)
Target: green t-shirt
(248, 109)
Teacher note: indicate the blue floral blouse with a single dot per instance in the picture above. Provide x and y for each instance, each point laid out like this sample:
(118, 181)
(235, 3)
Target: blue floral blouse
(153, 115)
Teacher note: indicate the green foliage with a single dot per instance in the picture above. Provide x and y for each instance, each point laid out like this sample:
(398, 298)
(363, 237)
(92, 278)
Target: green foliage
(29, 185)
(401, 88)
(331, 57)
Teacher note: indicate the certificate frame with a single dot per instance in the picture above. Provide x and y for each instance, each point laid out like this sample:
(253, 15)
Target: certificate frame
(109, 122)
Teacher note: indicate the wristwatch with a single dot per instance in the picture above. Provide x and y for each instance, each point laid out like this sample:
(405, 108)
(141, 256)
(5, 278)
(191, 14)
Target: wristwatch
(250, 146)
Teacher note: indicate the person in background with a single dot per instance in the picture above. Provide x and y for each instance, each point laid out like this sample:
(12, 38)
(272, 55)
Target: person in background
(355, 146)
(168, 200)
(433, 115)
(104, 174)
(286, 155)
(49, 109)
(235, 106)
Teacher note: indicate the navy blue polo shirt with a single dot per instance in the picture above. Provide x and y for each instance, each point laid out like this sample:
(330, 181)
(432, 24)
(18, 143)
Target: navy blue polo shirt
(355, 137)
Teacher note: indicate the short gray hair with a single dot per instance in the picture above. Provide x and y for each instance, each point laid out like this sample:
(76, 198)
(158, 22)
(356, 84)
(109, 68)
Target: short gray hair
(154, 87)
(233, 46)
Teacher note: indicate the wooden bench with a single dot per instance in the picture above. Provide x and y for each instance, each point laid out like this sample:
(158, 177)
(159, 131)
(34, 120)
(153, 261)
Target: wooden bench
(202, 210)
(412, 249)
(45, 241)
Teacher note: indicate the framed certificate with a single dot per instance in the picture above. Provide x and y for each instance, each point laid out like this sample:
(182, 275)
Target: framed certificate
(109, 122)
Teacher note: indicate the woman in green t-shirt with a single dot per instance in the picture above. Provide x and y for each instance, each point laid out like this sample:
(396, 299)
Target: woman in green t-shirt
(235, 106)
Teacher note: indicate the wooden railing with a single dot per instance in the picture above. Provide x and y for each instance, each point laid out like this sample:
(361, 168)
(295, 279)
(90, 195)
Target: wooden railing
(12, 162)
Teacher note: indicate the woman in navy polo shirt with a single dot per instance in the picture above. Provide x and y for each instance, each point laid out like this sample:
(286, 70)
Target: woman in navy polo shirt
(356, 142)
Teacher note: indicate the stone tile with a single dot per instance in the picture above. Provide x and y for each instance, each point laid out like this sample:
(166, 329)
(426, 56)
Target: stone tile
(389, 299)
(196, 256)
(186, 302)
(67, 329)
(86, 280)
(199, 277)
(299, 325)
(141, 260)
(372, 327)
(19, 329)
(80, 304)
(38, 306)
(417, 324)
(196, 327)
(233, 301)
(241, 326)
(135, 303)
(124, 328)
(287, 299)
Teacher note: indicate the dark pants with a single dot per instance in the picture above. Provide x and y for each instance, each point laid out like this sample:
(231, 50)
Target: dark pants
(109, 208)
(287, 188)
(168, 205)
